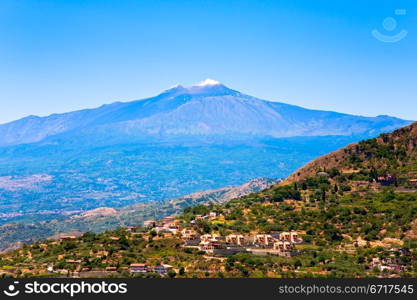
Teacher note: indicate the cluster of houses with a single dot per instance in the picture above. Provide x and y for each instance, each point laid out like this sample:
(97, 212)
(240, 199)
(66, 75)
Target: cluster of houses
(161, 269)
(167, 225)
(393, 263)
(385, 265)
(387, 179)
(282, 244)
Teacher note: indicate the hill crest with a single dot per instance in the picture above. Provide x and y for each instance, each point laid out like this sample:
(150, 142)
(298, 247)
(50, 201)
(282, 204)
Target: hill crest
(391, 154)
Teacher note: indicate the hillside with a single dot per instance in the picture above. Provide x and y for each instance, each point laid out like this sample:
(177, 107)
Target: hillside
(389, 155)
(105, 218)
(346, 218)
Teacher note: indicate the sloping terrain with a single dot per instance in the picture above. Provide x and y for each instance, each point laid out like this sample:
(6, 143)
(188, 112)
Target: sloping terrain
(354, 219)
(105, 218)
(391, 154)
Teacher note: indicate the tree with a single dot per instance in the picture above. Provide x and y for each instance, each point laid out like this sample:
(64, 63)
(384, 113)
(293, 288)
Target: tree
(172, 274)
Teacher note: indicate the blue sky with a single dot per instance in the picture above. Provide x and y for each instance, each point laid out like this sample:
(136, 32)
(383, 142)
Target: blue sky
(58, 56)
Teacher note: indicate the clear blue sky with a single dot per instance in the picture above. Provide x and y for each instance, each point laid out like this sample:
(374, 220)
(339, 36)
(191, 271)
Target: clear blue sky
(58, 56)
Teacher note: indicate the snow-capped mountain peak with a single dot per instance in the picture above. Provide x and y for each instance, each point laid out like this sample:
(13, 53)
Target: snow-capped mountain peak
(208, 82)
(209, 109)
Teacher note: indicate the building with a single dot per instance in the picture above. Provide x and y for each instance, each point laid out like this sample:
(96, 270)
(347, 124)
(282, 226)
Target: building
(284, 248)
(173, 224)
(138, 268)
(235, 239)
(130, 228)
(111, 269)
(386, 180)
(164, 229)
(67, 237)
(210, 242)
(212, 215)
(393, 268)
(168, 219)
(384, 266)
(292, 237)
(375, 263)
(210, 246)
(73, 261)
(413, 181)
(266, 198)
(188, 234)
(162, 269)
(264, 239)
(149, 223)
(210, 237)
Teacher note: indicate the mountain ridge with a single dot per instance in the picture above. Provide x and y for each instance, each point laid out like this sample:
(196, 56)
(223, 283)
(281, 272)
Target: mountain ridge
(401, 142)
(206, 109)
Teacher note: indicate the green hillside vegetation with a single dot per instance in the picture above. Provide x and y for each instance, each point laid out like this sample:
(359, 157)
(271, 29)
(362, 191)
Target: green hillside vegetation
(12, 235)
(355, 209)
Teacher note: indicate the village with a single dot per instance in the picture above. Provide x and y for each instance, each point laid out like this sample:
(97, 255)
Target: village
(280, 244)
(275, 244)
(283, 244)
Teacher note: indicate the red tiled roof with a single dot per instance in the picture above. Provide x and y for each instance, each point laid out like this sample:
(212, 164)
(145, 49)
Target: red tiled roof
(138, 265)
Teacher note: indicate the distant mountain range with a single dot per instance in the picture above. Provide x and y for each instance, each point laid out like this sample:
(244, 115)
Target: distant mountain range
(206, 111)
(182, 141)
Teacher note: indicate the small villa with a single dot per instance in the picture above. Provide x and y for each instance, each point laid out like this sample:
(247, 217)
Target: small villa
(73, 261)
(210, 237)
(386, 180)
(163, 269)
(149, 223)
(284, 248)
(413, 181)
(67, 237)
(138, 268)
(210, 246)
(292, 237)
(264, 239)
(188, 234)
(235, 239)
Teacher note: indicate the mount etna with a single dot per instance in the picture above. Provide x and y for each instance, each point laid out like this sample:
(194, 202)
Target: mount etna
(182, 141)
